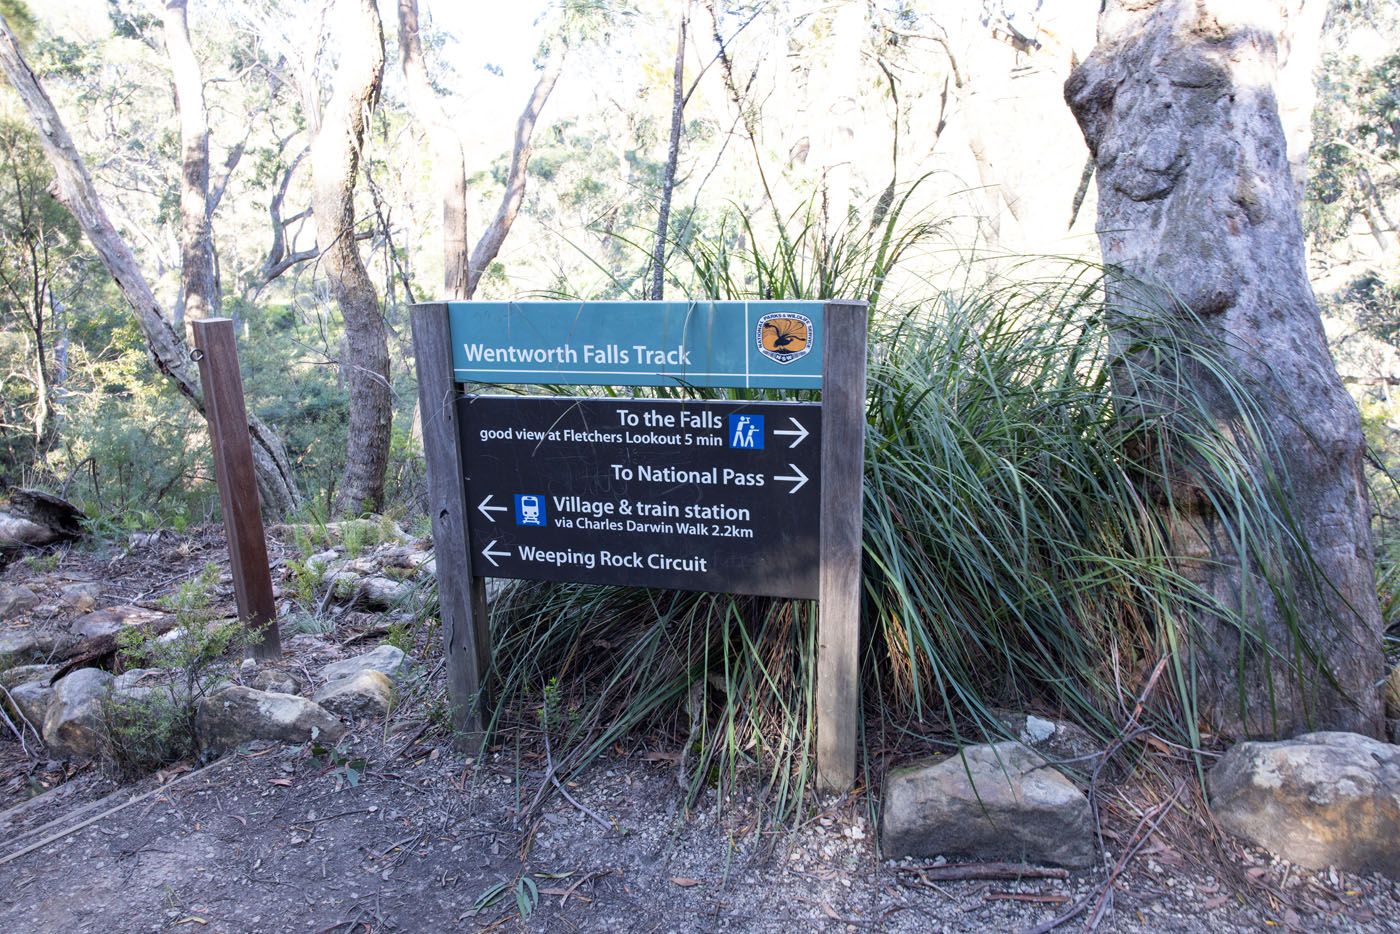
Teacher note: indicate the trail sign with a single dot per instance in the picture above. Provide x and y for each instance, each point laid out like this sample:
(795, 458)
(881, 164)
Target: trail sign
(688, 495)
(737, 496)
(741, 345)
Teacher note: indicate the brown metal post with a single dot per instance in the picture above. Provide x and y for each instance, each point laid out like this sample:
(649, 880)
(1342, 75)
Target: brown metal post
(238, 490)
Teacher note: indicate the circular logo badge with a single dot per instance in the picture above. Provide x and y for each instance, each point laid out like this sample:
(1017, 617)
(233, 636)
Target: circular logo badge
(784, 336)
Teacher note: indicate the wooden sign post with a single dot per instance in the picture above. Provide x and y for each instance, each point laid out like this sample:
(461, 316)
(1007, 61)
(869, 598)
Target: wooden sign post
(217, 353)
(730, 496)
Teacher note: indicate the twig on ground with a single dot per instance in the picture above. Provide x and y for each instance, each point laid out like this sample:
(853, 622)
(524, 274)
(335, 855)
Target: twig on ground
(957, 872)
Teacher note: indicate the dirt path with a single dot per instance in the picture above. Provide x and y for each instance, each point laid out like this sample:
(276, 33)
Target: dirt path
(279, 840)
(400, 834)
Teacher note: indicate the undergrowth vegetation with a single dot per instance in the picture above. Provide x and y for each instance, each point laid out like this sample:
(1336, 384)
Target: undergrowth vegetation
(1016, 553)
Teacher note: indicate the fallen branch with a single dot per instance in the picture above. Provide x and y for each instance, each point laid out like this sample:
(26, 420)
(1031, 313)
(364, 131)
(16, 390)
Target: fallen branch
(958, 872)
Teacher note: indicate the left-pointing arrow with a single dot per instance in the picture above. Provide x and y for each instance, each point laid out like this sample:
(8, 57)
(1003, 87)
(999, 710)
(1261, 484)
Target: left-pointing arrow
(491, 556)
(800, 480)
(486, 509)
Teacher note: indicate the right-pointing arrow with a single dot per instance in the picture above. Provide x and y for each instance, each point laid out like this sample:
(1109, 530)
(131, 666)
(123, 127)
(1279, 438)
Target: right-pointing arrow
(491, 556)
(800, 480)
(487, 510)
(801, 432)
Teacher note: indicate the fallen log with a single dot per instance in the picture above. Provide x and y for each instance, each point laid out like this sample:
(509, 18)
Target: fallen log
(33, 519)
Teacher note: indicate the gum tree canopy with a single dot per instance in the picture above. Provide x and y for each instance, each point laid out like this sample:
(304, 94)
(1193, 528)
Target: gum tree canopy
(1198, 219)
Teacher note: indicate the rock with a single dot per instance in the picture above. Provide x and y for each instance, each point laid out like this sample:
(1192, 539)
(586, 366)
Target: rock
(27, 646)
(385, 658)
(238, 714)
(275, 680)
(1322, 799)
(81, 597)
(1067, 746)
(382, 593)
(16, 599)
(140, 683)
(114, 619)
(31, 701)
(367, 693)
(322, 560)
(24, 674)
(73, 727)
(999, 801)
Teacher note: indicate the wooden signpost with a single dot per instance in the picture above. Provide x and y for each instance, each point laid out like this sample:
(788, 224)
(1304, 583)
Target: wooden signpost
(716, 495)
(217, 354)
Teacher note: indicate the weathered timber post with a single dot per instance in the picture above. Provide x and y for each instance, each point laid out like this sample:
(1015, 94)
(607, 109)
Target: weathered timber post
(843, 496)
(466, 641)
(224, 408)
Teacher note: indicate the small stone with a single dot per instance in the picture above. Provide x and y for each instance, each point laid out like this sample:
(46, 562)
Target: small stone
(367, 693)
(239, 714)
(322, 559)
(1067, 746)
(1319, 800)
(275, 680)
(1000, 801)
(386, 659)
(24, 674)
(31, 701)
(16, 599)
(73, 727)
(80, 598)
(383, 593)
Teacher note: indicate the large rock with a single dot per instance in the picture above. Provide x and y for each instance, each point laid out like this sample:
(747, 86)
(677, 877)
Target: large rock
(29, 646)
(73, 727)
(1000, 801)
(1322, 799)
(386, 659)
(238, 714)
(366, 693)
(16, 599)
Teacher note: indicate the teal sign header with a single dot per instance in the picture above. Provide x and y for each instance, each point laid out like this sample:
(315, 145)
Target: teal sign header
(744, 345)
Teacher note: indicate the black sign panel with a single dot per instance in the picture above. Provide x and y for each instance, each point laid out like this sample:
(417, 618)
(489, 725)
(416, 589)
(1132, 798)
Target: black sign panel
(718, 496)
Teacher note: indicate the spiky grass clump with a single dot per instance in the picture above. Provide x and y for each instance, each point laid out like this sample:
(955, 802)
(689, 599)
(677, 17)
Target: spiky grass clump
(1012, 558)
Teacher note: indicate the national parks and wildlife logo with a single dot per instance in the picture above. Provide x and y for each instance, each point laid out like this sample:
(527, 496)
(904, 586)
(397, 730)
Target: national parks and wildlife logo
(784, 336)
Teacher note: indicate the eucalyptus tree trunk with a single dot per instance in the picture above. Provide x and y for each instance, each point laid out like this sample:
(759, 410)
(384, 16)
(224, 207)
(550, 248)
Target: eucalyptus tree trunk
(489, 244)
(164, 344)
(1197, 211)
(335, 162)
(199, 288)
(449, 161)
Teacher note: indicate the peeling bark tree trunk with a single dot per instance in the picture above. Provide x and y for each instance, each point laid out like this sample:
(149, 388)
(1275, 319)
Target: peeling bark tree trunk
(199, 290)
(449, 162)
(335, 162)
(74, 188)
(1196, 205)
